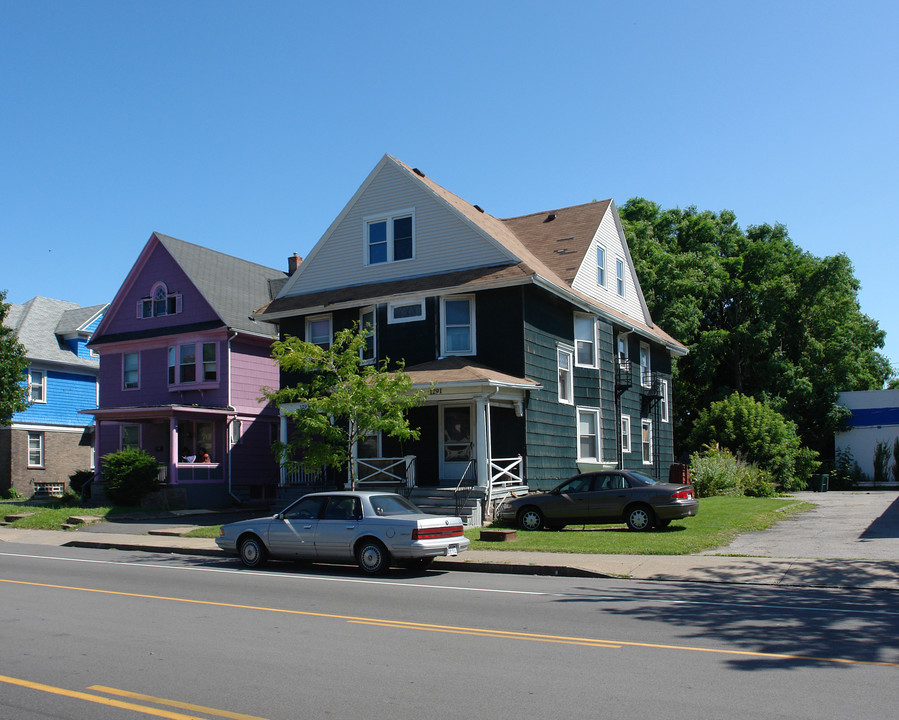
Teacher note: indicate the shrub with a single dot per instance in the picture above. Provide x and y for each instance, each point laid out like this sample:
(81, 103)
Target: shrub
(846, 473)
(129, 475)
(755, 431)
(717, 471)
(882, 455)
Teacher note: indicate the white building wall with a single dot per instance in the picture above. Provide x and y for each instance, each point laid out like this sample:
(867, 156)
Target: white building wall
(862, 440)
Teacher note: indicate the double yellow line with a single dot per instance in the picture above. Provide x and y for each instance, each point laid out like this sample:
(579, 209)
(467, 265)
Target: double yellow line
(121, 704)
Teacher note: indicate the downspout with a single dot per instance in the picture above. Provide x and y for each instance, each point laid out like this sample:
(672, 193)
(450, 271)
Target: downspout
(228, 427)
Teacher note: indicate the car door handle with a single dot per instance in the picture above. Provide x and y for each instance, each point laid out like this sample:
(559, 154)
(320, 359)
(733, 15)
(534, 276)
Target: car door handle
(307, 527)
(350, 527)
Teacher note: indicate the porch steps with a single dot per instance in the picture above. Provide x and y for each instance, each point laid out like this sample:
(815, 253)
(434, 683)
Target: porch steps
(442, 501)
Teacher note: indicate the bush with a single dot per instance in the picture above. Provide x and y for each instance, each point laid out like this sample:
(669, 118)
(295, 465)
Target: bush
(717, 471)
(882, 456)
(846, 473)
(129, 475)
(758, 433)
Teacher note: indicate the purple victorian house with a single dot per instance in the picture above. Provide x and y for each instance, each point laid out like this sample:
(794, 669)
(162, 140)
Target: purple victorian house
(182, 365)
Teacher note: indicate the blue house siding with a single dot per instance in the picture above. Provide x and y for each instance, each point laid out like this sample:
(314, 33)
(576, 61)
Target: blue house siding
(67, 393)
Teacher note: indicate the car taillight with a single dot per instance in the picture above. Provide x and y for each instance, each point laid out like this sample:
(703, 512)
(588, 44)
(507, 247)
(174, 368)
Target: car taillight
(436, 533)
(682, 495)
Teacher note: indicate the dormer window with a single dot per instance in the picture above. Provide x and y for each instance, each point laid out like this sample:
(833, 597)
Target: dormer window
(159, 303)
(389, 239)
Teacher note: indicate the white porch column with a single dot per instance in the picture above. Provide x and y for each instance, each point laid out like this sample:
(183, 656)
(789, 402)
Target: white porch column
(482, 441)
(283, 437)
(173, 449)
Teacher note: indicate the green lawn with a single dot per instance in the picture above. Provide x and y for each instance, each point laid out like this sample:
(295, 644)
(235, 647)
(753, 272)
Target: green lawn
(720, 519)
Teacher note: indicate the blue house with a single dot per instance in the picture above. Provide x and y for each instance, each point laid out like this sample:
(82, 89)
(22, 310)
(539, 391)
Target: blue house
(50, 440)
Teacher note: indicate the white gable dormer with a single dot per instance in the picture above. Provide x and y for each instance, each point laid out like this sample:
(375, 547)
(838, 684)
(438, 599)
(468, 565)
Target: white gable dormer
(396, 226)
(607, 271)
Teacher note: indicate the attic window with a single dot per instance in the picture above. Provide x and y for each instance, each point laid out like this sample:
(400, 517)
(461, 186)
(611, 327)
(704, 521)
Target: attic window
(389, 238)
(159, 303)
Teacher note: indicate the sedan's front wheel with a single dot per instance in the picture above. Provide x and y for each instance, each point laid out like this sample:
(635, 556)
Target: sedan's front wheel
(372, 557)
(252, 552)
(530, 519)
(640, 518)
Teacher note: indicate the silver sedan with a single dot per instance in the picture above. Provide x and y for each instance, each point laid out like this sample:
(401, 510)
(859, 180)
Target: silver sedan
(374, 529)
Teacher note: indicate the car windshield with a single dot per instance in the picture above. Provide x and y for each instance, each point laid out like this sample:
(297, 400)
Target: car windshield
(643, 479)
(393, 505)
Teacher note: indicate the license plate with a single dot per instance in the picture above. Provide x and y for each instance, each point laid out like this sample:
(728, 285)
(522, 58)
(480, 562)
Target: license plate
(452, 550)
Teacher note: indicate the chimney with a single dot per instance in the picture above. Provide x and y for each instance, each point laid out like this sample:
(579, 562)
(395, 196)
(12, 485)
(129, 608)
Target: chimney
(293, 262)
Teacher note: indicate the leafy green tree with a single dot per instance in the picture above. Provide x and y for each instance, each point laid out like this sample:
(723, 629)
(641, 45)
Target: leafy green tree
(13, 363)
(760, 317)
(759, 434)
(337, 400)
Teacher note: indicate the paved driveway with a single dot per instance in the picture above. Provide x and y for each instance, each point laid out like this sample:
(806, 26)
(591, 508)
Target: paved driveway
(859, 525)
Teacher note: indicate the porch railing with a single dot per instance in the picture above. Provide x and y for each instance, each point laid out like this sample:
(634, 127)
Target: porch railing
(506, 472)
(300, 477)
(466, 484)
(386, 471)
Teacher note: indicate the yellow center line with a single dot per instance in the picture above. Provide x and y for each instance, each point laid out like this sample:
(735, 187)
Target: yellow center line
(452, 628)
(173, 703)
(99, 699)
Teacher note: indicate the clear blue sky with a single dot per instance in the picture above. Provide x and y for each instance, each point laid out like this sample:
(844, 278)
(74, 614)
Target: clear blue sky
(246, 127)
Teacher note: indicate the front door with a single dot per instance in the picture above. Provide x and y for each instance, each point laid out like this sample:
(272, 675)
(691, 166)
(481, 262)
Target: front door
(456, 440)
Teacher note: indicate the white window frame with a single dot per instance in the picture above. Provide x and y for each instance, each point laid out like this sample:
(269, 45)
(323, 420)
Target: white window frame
(663, 403)
(597, 429)
(472, 329)
(565, 376)
(388, 219)
(646, 431)
(645, 367)
(392, 308)
(42, 384)
(619, 276)
(592, 340)
(39, 438)
(625, 434)
(319, 318)
(622, 344)
(372, 333)
(125, 385)
(601, 265)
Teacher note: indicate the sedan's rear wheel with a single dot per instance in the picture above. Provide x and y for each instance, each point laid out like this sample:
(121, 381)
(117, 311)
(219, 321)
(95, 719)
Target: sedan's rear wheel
(252, 552)
(530, 519)
(640, 518)
(372, 557)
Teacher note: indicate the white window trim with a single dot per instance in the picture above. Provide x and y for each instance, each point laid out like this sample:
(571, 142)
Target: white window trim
(373, 309)
(601, 266)
(315, 318)
(622, 339)
(663, 403)
(391, 307)
(43, 384)
(41, 438)
(472, 315)
(644, 424)
(594, 341)
(645, 370)
(619, 276)
(625, 431)
(569, 353)
(387, 218)
(597, 424)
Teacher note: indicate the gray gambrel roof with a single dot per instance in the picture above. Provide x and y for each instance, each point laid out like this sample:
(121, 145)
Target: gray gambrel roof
(233, 287)
(43, 324)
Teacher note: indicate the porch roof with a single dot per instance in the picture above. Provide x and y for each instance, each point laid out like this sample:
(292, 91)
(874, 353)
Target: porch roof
(461, 371)
(136, 413)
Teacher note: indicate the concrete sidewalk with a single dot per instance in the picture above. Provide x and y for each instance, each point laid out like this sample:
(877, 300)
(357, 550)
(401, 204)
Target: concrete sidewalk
(814, 572)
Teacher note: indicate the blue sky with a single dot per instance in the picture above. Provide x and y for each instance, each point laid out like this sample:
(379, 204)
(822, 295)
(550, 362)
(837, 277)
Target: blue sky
(246, 127)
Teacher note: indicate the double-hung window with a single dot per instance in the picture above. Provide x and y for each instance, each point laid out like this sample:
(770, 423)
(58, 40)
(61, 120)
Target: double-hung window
(457, 321)
(35, 449)
(367, 324)
(600, 265)
(389, 239)
(625, 433)
(646, 440)
(663, 403)
(193, 362)
(318, 330)
(37, 386)
(589, 446)
(131, 370)
(645, 366)
(566, 380)
(585, 341)
(619, 277)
